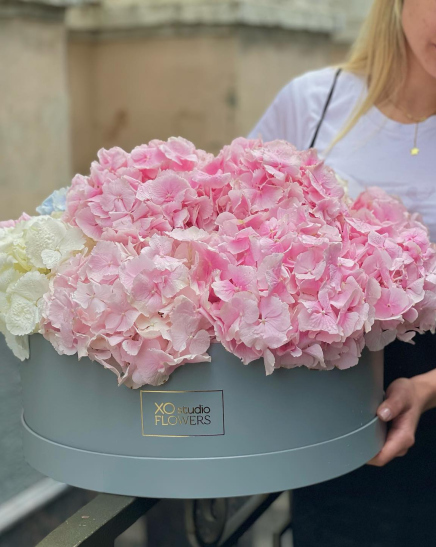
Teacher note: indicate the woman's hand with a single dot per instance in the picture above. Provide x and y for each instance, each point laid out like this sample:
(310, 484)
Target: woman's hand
(406, 400)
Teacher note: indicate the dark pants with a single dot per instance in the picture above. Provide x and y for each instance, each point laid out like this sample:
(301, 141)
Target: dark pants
(390, 506)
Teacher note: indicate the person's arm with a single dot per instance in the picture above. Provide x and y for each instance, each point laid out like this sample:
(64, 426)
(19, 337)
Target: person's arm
(426, 388)
(406, 400)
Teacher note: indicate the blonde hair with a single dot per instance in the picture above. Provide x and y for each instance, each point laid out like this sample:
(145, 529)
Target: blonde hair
(379, 55)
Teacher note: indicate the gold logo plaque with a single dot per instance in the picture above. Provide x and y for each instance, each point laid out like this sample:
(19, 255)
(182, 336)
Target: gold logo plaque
(182, 413)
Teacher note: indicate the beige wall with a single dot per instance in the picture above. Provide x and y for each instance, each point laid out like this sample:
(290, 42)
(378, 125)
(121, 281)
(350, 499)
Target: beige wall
(127, 91)
(146, 70)
(34, 135)
(206, 84)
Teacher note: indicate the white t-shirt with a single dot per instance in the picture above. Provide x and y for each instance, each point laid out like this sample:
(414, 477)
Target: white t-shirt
(376, 152)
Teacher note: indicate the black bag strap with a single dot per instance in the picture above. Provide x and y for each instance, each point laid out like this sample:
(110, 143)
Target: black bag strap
(329, 98)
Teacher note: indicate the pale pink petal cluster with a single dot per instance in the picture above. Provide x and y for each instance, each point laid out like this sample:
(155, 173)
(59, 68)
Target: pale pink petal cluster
(138, 314)
(130, 196)
(258, 248)
(312, 277)
(401, 263)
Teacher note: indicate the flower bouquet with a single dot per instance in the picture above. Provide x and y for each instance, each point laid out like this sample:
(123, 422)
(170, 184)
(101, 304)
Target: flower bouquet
(171, 258)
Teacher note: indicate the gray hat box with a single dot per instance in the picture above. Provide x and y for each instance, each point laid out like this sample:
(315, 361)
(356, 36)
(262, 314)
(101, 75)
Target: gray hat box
(218, 429)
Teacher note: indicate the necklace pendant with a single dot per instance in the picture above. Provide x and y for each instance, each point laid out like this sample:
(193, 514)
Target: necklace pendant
(414, 151)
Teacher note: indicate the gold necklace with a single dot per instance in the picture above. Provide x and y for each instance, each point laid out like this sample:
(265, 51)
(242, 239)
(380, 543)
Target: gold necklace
(415, 150)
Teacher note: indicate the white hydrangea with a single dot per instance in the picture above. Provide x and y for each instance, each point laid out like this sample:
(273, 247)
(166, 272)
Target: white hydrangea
(23, 303)
(29, 251)
(49, 241)
(18, 344)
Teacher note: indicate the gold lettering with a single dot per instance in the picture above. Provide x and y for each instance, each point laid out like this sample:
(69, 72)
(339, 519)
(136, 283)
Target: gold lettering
(171, 406)
(159, 408)
(168, 410)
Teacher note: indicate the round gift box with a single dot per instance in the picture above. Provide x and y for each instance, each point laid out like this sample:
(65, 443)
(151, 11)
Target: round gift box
(218, 429)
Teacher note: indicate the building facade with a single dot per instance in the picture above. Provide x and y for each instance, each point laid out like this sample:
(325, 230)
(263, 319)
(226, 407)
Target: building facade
(201, 69)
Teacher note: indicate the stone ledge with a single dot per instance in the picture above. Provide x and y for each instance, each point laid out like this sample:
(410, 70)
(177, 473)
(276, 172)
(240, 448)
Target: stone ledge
(51, 10)
(31, 11)
(54, 3)
(124, 16)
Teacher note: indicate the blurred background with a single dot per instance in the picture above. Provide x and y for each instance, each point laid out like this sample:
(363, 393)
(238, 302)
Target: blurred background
(79, 75)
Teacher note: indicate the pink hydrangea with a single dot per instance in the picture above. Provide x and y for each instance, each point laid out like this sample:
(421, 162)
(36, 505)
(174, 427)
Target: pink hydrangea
(130, 196)
(138, 314)
(13, 223)
(401, 262)
(336, 275)
(258, 248)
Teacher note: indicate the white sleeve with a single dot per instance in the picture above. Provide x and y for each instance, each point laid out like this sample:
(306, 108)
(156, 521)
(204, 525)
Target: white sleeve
(295, 111)
(283, 118)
